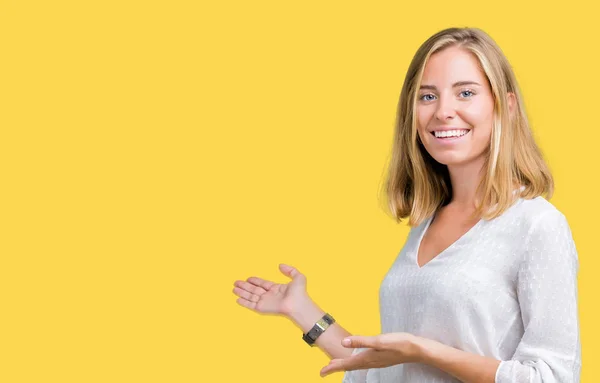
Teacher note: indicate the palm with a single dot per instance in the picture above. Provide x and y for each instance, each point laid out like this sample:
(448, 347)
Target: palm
(269, 297)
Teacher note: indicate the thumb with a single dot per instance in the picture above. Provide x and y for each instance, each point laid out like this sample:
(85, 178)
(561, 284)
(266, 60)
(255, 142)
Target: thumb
(360, 342)
(290, 271)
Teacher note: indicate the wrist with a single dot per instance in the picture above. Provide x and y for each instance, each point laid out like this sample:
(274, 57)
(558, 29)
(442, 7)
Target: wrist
(305, 314)
(423, 349)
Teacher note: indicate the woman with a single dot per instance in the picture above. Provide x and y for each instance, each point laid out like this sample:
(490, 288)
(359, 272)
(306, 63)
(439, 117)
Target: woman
(485, 287)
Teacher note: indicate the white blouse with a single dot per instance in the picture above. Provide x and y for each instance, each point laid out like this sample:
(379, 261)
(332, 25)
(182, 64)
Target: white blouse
(506, 289)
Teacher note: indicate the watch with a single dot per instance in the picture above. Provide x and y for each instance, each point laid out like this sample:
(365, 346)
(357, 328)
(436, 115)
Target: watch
(320, 326)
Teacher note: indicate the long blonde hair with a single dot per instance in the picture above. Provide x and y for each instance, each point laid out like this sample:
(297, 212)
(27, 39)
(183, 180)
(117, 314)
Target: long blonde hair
(417, 185)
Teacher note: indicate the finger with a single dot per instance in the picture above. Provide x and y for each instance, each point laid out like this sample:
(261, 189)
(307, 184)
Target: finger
(245, 294)
(261, 282)
(290, 271)
(360, 361)
(246, 303)
(361, 341)
(334, 365)
(250, 287)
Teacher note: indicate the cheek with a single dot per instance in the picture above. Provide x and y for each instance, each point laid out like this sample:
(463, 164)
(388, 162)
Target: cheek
(478, 114)
(482, 123)
(423, 117)
(420, 134)
(482, 136)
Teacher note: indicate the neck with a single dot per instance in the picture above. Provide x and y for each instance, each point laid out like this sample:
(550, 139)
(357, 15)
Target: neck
(465, 178)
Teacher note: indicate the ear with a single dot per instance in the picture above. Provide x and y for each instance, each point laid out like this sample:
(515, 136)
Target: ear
(512, 103)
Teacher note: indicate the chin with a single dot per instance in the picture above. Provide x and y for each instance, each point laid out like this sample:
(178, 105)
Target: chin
(450, 160)
(447, 158)
(460, 159)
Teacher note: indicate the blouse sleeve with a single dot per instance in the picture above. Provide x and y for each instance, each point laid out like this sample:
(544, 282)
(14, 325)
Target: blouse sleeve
(550, 349)
(361, 376)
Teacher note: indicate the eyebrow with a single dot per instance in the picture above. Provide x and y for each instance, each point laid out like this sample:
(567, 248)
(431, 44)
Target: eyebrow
(459, 83)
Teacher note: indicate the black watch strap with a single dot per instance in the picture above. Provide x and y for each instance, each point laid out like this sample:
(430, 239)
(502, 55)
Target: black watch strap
(319, 328)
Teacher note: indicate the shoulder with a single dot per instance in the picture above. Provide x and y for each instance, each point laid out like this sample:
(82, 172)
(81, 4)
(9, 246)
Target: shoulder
(537, 220)
(537, 206)
(538, 212)
(546, 230)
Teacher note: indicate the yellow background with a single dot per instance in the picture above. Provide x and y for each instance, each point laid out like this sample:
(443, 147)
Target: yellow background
(152, 153)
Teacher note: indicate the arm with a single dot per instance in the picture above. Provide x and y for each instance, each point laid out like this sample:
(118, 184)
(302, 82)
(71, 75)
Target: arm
(465, 366)
(550, 349)
(388, 349)
(305, 314)
(293, 302)
(330, 341)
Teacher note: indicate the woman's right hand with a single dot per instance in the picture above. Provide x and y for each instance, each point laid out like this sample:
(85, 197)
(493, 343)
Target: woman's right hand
(273, 298)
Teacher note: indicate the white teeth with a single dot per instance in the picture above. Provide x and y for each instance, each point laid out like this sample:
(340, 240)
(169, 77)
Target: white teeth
(451, 133)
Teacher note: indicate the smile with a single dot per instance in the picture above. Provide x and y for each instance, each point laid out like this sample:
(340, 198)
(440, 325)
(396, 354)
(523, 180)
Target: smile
(450, 135)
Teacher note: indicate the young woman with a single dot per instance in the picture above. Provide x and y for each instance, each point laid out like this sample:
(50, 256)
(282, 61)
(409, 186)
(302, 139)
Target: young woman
(485, 287)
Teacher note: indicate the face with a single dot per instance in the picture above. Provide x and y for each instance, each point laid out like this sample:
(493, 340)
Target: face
(455, 108)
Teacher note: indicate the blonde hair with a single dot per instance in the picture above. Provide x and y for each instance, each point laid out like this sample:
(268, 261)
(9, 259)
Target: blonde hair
(417, 185)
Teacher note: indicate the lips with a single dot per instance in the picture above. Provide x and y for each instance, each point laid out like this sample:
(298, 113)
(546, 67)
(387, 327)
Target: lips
(450, 140)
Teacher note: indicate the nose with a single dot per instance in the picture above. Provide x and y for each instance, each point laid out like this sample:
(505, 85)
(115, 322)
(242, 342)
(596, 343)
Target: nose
(446, 108)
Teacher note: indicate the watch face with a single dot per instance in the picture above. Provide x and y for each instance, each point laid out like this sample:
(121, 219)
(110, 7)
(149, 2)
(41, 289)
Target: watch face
(320, 326)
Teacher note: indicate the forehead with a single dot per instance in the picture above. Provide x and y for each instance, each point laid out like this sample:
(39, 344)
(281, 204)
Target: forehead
(451, 65)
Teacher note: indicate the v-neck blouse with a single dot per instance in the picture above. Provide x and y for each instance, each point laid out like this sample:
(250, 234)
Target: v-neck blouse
(506, 289)
(427, 224)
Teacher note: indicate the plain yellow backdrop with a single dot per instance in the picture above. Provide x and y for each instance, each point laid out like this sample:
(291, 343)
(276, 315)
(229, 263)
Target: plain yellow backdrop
(153, 152)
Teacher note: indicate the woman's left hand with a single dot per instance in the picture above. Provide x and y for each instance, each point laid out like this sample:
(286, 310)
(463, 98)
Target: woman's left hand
(384, 350)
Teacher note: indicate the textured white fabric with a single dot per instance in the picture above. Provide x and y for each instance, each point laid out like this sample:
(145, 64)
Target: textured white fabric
(506, 289)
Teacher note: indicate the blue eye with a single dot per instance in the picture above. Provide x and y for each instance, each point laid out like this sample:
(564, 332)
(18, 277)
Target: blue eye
(469, 93)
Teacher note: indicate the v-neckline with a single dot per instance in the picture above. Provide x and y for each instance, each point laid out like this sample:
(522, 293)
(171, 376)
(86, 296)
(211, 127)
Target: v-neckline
(424, 231)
